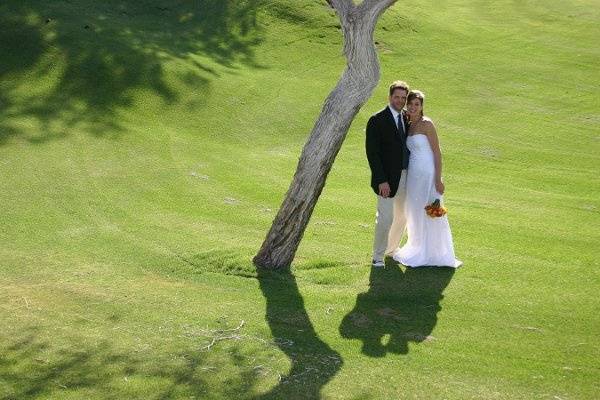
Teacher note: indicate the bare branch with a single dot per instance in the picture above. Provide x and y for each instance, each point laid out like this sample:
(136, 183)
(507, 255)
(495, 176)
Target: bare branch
(375, 7)
(218, 339)
(220, 335)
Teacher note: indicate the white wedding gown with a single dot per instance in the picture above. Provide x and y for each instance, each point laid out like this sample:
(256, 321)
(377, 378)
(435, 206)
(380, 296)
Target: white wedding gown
(429, 239)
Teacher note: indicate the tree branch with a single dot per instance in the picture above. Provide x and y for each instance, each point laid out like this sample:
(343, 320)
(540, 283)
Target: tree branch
(374, 8)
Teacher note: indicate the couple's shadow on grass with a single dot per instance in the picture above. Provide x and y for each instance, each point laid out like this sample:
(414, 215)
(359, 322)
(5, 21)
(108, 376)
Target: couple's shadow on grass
(399, 307)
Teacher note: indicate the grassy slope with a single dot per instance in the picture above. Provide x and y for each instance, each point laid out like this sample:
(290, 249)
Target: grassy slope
(144, 157)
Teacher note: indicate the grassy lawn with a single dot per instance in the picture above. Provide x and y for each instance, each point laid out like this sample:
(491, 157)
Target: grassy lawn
(145, 148)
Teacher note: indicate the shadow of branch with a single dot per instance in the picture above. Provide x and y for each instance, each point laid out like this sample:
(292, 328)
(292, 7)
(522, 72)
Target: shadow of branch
(33, 367)
(66, 65)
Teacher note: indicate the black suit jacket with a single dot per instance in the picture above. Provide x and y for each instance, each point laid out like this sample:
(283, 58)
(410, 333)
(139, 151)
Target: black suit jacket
(386, 150)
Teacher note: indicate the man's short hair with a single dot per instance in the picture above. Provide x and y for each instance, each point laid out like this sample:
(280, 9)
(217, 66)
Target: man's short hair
(399, 85)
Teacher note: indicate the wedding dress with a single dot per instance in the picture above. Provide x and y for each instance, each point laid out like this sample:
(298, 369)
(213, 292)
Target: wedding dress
(429, 239)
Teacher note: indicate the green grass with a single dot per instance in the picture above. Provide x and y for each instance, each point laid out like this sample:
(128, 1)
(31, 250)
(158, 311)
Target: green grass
(144, 157)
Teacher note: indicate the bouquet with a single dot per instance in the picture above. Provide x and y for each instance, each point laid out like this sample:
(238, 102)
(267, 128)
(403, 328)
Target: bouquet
(435, 209)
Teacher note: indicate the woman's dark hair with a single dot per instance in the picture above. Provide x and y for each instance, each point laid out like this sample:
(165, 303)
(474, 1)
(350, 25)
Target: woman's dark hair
(416, 94)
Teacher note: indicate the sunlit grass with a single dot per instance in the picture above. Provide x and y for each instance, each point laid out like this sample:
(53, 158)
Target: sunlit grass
(144, 157)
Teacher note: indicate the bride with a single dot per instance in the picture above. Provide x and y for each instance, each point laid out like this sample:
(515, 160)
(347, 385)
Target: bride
(429, 238)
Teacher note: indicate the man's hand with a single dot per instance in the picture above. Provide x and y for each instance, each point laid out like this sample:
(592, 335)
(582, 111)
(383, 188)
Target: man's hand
(384, 189)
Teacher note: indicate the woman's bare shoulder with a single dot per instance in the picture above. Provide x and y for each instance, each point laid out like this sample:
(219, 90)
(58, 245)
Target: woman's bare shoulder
(428, 124)
(426, 120)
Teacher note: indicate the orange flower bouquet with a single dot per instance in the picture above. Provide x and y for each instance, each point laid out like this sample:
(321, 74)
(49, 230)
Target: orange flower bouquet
(435, 209)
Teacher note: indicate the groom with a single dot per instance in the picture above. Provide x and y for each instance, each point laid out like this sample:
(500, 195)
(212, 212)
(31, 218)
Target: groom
(388, 159)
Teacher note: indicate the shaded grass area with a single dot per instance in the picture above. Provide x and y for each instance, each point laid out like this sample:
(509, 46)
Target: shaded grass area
(101, 340)
(90, 59)
(100, 371)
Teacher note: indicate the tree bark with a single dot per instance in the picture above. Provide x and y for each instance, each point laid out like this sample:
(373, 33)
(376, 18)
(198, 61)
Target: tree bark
(353, 89)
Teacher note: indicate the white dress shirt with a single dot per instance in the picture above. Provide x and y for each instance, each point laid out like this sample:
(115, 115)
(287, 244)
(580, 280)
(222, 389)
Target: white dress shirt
(395, 114)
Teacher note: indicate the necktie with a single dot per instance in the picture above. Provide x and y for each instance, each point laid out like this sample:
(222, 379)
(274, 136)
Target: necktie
(400, 125)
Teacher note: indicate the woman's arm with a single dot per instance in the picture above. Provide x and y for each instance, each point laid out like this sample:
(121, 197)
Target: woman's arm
(437, 155)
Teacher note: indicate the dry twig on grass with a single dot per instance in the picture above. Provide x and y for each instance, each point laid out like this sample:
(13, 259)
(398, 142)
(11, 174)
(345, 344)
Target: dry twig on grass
(219, 335)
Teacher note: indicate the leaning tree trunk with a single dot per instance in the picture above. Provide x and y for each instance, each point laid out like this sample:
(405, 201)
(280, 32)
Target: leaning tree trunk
(358, 81)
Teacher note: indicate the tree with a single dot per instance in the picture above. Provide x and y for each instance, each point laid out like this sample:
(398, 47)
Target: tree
(359, 79)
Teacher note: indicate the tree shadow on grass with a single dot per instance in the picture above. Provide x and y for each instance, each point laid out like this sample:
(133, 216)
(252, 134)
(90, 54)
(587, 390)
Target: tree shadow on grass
(35, 363)
(314, 363)
(90, 57)
(32, 367)
(401, 307)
